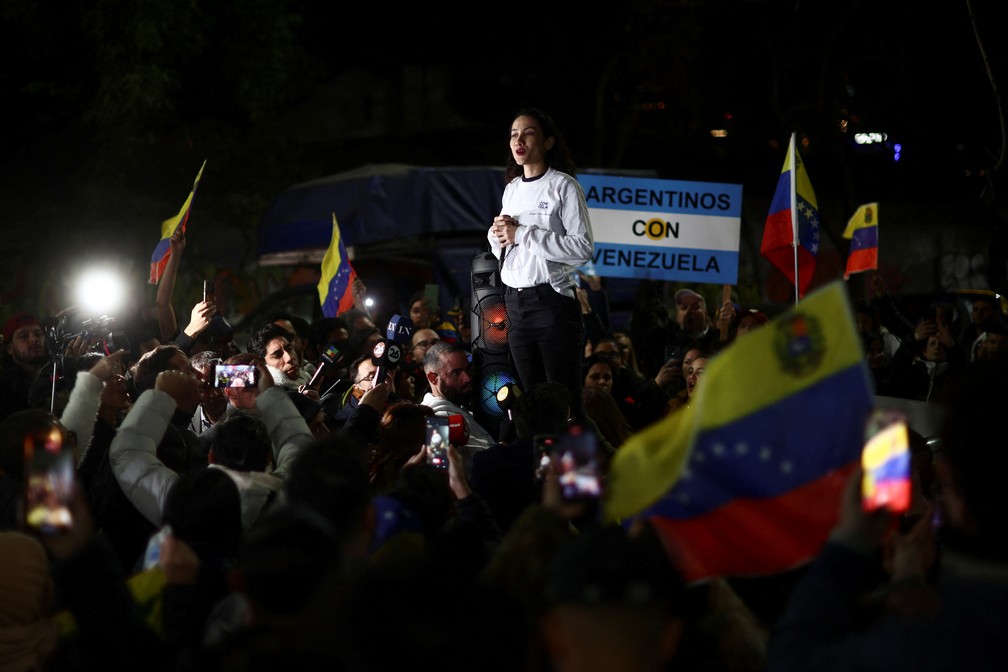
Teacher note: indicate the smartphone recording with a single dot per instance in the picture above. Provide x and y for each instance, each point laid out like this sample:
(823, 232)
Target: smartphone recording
(885, 461)
(50, 482)
(236, 375)
(575, 458)
(437, 441)
(542, 452)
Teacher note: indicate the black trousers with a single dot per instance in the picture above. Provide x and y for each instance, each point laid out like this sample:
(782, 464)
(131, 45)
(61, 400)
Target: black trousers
(546, 338)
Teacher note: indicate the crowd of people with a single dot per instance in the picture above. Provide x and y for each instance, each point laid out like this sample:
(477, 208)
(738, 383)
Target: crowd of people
(294, 520)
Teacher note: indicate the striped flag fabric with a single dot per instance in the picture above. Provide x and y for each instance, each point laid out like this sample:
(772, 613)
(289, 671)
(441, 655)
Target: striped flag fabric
(747, 480)
(791, 233)
(335, 288)
(862, 231)
(162, 252)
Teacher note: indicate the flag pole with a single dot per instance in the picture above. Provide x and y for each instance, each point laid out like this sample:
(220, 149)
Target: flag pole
(794, 213)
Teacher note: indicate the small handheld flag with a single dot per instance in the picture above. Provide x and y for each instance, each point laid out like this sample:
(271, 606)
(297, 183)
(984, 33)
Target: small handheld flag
(862, 231)
(159, 259)
(335, 288)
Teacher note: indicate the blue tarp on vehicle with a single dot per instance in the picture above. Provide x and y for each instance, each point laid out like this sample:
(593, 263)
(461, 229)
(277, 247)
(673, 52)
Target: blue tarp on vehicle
(379, 203)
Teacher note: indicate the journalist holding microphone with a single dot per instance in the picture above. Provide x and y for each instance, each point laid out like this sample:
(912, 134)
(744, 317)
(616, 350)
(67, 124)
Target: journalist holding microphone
(542, 234)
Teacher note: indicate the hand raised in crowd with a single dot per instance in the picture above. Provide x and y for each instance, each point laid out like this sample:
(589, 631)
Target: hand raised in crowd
(670, 372)
(199, 318)
(108, 366)
(177, 242)
(79, 345)
(911, 553)
(943, 331)
(309, 392)
(725, 315)
(359, 291)
(925, 329)
(377, 396)
(552, 496)
(857, 528)
(181, 386)
(179, 562)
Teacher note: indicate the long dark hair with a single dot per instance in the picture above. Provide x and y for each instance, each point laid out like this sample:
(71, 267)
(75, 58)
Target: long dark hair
(558, 157)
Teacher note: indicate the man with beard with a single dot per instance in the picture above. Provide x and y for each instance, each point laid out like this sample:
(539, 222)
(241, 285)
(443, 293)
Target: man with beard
(24, 356)
(448, 371)
(692, 326)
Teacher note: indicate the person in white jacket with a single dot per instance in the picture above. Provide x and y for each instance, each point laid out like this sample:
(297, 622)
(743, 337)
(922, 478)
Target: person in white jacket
(146, 480)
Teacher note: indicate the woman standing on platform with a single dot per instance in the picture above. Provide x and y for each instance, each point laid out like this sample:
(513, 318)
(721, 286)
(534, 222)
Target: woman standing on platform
(541, 236)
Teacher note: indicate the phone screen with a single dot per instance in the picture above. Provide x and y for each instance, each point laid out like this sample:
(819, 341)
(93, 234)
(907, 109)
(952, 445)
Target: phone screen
(437, 441)
(49, 482)
(673, 352)
(236, 375)
(576, 462)
(885, 461)
(542, 452)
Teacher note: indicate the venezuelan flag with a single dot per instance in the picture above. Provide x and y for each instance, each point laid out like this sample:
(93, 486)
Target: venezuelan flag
(886, 464)
(791, 233)
(862, 231)
(159, 259)
(747, 480)
(336, 286)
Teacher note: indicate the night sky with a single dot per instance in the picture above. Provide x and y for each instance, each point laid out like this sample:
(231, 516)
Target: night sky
(111, 108)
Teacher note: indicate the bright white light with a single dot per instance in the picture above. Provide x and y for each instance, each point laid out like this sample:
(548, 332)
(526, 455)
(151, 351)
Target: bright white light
(99, 292)
(369, 302)
(870, 138)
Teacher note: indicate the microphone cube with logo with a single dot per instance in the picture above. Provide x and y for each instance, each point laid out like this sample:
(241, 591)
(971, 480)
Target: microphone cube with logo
(386, 356)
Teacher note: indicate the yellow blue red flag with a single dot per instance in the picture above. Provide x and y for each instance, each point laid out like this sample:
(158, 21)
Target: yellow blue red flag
(335, 288)
(159, 259)
(862, 231)
(791, 233)
(747, 480)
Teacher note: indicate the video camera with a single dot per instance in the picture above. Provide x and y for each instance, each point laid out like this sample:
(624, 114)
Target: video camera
(99, 329)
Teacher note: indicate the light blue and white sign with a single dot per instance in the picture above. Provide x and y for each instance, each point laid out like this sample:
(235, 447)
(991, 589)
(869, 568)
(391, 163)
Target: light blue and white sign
(664, 229)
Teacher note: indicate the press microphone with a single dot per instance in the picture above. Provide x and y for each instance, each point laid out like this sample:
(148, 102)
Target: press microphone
(330, 356)
(458, 430)
(399, 329)
(385, 356)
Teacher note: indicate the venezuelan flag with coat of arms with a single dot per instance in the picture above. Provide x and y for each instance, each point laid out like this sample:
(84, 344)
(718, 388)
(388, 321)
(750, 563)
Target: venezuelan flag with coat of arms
(747, 479)
(862, 231)
(791, 233)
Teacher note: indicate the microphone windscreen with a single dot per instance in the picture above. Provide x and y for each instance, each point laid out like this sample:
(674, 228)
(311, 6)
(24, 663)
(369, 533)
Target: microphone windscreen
(399, 329)
(458, 430)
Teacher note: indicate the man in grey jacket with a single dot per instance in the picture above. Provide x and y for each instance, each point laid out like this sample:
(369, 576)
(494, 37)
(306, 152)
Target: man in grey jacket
(146, 480)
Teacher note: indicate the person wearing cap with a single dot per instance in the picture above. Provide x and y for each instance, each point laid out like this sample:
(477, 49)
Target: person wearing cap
(24, 356)
(750, 320)
(692, 325)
